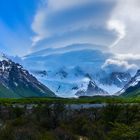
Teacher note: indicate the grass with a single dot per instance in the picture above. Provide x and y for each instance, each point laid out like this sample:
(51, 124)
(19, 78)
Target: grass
(134, 94)
(82, 100)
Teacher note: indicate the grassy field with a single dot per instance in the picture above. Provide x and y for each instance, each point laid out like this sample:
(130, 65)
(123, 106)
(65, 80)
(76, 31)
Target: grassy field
(90, 100)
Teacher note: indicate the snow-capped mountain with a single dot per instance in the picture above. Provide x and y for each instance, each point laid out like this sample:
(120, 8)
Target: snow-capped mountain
(66, 82)
(3, 57)
(70, 83)
(112, 82)
(132, 88)
(17, 82)
(91, 89)
(116, 78)
(66, 70)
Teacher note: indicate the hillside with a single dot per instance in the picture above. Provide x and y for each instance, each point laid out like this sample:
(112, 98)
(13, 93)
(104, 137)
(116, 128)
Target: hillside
(16, 82)
(132, 88)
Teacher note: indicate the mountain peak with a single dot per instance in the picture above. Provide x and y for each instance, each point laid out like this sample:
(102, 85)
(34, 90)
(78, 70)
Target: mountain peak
(3, 57)
(138, 72)
(92, 90)
(17, 82)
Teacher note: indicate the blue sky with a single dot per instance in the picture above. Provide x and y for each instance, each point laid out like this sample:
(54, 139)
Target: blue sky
(19, 27)
(15, 19)
(31, 25)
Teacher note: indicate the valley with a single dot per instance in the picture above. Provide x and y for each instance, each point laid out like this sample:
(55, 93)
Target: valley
(69, 70)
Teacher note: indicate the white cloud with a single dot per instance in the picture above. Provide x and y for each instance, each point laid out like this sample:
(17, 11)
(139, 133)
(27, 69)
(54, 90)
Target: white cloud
(130, 58)
(127, 57)
(118, 65)
(49, 7)
(127, 14)
(52, 7)
(117, 26)
(121, 33)
(38, 27)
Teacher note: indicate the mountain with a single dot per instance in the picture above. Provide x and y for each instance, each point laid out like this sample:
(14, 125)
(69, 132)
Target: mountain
(70, 84)
(16, 82)
(132, 88)
(117, 78)
(91, 90)
(65, 70)
(114, 81)
(65, 73)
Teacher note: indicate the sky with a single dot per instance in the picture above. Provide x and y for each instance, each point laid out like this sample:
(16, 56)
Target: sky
(28, 26)
(16, 17)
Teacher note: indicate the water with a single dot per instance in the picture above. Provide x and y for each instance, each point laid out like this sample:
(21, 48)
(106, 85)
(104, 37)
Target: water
(85, 106)
(68, 106)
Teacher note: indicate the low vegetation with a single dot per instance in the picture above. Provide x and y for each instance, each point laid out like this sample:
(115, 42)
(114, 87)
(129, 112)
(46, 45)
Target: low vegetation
(56, 121)
(90, 100)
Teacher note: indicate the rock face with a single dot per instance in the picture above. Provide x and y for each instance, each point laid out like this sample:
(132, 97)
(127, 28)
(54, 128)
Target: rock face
(17, 82)
(92, 90)
(120, 79)
(132, 88)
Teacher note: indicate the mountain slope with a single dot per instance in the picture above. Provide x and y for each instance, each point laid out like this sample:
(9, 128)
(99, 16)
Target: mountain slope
(16, 82)
(132, 88)
(117, 78)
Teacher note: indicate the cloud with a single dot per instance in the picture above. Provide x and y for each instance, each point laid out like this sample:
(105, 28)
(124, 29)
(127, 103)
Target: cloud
(127, 20)
(119, 27)
(88, 36)
(54, 5)
(37, 26)
(118, 65)
(48, 7)
(60, 23)
(56, 18)
(130, 58)
(59, 5)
